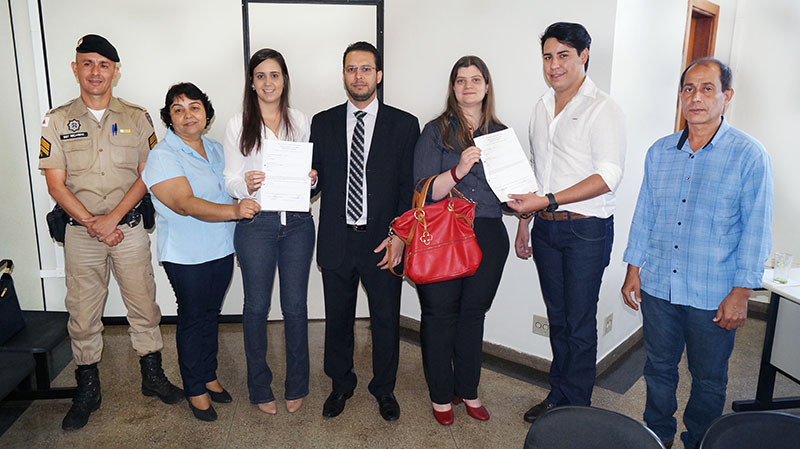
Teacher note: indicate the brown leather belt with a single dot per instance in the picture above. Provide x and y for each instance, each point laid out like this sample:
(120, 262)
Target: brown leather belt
(560, 215)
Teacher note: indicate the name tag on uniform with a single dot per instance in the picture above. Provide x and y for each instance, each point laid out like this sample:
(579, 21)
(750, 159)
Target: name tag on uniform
(73, 135)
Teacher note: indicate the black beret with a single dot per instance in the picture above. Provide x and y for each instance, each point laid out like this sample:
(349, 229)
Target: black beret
(92, 43)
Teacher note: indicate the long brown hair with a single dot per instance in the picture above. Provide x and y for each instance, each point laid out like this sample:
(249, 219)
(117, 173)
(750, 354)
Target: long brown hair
(453, 111)
(250, 139)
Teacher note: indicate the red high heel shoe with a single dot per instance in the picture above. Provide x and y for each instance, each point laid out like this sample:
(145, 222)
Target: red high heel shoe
(445, 418)
(479, 413)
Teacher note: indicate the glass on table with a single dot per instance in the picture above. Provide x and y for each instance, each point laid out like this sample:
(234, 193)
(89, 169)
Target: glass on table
(783, 264)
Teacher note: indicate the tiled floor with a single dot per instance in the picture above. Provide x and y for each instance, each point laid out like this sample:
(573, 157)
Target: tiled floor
(129, 420)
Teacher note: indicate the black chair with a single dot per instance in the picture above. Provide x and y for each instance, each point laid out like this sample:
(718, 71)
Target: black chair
(28, 347)
(748, 430)
(572, 427)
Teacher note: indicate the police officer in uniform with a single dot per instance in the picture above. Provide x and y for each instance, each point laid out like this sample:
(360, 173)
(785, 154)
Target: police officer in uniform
(92, 151)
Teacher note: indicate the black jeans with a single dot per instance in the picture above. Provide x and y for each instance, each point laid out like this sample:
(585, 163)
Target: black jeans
(199, 290)
(453, 314)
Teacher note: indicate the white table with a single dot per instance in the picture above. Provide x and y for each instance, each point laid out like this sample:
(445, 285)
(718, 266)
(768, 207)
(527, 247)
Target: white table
(781, 342)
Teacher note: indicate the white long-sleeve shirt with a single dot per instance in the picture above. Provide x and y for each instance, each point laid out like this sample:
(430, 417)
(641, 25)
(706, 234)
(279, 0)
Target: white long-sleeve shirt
(587, 137)
(236, 164)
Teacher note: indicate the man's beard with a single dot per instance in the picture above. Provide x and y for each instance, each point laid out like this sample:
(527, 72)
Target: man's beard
(359, 97)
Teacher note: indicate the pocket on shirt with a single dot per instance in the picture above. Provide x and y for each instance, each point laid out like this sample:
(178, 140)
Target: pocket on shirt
(79, 155)
(124, 152)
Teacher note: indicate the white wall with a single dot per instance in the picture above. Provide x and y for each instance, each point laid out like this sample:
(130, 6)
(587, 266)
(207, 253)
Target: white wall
(766, 102)
(17, 230)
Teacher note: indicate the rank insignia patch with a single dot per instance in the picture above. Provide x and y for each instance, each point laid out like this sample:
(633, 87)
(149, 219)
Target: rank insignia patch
(44, 149)
(73, 125)
(152, 140)
(147, 116)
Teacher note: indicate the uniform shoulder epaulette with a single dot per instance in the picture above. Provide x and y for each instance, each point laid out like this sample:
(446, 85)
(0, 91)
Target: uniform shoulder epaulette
(63, 106)
(133, 105)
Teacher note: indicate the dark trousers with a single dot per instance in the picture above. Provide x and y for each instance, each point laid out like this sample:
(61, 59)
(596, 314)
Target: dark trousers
(383, 294)
(571, 256)
(453, 314)
(199, 290)
(668, 329)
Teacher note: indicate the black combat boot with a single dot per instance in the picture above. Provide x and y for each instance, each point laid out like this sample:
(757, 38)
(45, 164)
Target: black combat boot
(155, 382)
(87, 398)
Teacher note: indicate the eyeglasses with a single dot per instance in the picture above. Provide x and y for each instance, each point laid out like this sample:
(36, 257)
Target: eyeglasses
(365, 69)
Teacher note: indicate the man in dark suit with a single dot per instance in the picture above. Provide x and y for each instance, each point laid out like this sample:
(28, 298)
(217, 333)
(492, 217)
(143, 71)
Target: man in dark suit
(363, 152)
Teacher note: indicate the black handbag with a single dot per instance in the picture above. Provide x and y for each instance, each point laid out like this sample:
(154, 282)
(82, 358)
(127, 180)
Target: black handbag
(57, 223)
(11, 320)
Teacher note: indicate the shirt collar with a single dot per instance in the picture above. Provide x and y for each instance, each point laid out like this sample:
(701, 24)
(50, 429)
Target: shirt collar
(588, 89)
(174, 141)
(721, 130)
(79, 108)
(371, 109)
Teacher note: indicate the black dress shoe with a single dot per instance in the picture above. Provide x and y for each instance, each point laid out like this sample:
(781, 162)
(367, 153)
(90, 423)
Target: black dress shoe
(335, 404)
(208, 414)
(538, 410)
(223, 397)
(388, 406)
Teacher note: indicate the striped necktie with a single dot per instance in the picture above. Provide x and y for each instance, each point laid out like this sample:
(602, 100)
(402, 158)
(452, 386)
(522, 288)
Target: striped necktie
(355, 176)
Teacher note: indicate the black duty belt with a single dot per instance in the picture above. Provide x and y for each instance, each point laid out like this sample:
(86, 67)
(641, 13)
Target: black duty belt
(132, 218)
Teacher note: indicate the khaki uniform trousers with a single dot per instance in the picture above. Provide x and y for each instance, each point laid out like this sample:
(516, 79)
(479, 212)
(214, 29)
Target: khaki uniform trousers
(87, 264)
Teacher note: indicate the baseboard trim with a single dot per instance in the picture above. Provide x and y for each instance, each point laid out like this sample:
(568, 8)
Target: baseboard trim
(499, 353)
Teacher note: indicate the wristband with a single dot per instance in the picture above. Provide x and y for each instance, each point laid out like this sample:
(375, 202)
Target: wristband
(455, 177)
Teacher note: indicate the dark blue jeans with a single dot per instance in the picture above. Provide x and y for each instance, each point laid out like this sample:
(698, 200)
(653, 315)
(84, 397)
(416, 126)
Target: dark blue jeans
(262, 244)
(668, 328)
(199, 290)
(570, 257)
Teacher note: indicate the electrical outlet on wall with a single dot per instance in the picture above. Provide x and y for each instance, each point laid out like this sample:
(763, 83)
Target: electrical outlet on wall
(541, 326)
(608, 323)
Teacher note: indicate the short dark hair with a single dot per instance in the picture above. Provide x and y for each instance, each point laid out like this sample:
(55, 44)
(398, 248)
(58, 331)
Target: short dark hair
(191, 92)
(572, 34)
(725, 75)
(364, 46)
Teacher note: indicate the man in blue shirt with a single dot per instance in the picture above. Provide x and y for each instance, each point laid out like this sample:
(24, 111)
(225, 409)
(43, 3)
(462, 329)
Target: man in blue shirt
(697, 246)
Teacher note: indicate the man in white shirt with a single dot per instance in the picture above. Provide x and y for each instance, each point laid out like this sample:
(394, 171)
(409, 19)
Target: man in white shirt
(577, 137)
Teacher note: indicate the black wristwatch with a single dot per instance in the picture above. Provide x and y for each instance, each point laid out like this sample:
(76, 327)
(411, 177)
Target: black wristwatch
(553, 204)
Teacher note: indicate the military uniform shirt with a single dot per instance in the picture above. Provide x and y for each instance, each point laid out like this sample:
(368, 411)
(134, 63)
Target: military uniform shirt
(101, 158)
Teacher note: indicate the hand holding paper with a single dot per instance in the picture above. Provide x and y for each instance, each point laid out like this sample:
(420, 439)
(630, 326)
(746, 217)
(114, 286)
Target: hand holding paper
(505, 164)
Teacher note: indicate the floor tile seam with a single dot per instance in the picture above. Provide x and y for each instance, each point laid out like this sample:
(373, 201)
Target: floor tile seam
(230, 426)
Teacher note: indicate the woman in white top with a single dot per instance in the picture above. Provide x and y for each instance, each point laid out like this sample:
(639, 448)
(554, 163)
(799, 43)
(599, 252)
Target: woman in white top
(271, 238)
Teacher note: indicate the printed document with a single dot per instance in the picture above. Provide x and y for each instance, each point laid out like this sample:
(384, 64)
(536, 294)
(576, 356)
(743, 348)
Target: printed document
(506, 166)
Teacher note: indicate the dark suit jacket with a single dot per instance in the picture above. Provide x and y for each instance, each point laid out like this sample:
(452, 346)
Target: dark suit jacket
(389, 176)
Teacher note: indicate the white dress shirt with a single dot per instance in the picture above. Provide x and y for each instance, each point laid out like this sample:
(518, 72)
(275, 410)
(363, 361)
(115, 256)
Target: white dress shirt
(369, 128)
(587, 137)
(236, 164)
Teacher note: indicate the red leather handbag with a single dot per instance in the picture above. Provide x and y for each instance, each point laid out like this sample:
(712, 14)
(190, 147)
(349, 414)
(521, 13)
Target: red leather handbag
(440, 241)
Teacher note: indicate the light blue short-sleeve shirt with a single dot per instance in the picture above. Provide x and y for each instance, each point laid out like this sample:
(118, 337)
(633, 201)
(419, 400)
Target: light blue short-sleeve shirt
(184, 239)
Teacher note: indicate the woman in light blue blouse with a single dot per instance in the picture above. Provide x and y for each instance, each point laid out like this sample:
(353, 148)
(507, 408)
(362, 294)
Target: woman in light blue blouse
(195, 236)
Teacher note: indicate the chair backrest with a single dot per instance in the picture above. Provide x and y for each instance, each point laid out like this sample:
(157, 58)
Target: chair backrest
(773, 430)
(589, 427)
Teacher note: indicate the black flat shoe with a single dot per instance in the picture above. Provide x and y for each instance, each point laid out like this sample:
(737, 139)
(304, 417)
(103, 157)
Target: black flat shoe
(223, 397)
(538, 410)
(208, 414)
(334, 405)
(388, 406)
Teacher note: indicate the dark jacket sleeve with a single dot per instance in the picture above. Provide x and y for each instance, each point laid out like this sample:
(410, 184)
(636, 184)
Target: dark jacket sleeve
(316, 160)
(407, 165)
